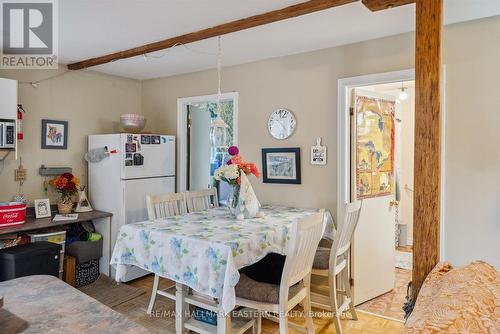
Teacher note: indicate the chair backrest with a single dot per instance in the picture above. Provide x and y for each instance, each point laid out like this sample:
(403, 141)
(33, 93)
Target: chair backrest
(345, 231)
(304, 239)
(201, 200)
(166, 205)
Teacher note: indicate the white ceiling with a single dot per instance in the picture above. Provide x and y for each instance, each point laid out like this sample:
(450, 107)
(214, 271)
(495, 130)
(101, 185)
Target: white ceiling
(90, 28)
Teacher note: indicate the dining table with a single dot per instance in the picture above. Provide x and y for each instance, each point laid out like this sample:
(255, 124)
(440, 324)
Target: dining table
(204, 250)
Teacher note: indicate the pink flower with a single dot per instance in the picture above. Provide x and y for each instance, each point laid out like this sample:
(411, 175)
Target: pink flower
(254, 170)
(233, 150)
(237, 159)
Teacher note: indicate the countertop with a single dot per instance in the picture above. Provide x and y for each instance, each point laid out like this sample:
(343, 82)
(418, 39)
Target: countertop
(32, 223)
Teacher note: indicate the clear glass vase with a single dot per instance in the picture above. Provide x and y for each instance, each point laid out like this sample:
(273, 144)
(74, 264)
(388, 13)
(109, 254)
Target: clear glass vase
(234, 199)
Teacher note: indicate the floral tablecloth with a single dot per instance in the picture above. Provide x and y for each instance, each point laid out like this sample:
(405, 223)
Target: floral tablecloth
(204, 250)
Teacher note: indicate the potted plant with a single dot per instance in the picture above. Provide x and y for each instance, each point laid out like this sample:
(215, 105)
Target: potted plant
(67, 185)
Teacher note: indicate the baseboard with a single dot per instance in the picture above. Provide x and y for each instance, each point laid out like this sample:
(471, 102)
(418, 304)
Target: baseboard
(380, 316)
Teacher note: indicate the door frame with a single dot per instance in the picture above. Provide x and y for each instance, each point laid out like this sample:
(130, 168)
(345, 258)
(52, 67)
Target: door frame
(344, 137)
(182, 111)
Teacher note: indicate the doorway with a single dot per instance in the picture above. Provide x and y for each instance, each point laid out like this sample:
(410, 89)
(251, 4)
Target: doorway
(382, 176)
(373, 254)
(197, 160)
(367, 265)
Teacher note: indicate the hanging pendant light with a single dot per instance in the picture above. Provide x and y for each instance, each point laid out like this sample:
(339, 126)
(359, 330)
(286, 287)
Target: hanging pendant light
(403, 95)
(218, 128)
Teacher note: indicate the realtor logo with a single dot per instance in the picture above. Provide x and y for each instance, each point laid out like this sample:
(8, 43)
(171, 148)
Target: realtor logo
(29, 34)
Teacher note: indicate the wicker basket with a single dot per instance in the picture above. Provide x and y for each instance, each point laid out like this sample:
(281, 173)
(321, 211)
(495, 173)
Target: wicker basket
(64, 206)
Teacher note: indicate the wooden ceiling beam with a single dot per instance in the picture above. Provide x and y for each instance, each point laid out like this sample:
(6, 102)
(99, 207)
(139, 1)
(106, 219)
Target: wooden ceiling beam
(376, 5)
(304, 8)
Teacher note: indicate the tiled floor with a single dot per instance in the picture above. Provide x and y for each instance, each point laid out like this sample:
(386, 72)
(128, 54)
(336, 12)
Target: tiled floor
(390, 304)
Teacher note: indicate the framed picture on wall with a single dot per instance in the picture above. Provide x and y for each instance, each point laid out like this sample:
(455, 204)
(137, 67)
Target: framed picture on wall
(54, 134)
(281, 165)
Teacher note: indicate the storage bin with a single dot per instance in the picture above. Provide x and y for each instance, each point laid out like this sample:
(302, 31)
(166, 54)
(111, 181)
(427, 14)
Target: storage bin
(12, 213)
(56, 237)
(41, 258)
(86, 273)
(87, 254)
(84, 251)
(205, 316)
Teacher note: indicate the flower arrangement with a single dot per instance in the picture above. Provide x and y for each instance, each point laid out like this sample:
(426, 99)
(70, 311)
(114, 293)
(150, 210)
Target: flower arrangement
(67, 185)
(231, 172)
(242, 201)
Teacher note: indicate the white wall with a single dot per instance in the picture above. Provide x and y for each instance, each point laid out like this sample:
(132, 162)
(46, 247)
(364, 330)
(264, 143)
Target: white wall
(91, 102)
(472, 203)
(407, 154)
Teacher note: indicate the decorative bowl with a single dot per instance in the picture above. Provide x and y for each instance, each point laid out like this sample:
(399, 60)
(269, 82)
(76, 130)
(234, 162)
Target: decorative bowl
(132, 122)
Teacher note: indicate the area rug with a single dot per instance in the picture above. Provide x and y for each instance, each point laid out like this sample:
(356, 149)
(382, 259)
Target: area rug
(403, 260)
(109, 292)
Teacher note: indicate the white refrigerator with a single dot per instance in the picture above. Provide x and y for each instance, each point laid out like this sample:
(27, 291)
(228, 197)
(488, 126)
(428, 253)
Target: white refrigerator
(137, 165)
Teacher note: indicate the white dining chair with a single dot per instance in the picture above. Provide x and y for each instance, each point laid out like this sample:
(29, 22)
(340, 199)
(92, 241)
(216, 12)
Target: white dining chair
(332, 262)
(166, 205)
(277, 300)
(202, 200)
(162, 206)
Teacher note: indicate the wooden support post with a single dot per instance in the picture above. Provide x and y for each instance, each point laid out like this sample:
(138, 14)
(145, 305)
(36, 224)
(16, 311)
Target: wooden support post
(427, 184)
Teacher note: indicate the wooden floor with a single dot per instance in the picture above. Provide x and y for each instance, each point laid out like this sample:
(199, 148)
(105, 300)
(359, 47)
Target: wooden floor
(162, 320)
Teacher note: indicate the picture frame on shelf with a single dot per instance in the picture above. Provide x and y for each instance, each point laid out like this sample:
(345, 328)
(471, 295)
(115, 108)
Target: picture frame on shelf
(281, 165)
(54, 134)
(42, 208)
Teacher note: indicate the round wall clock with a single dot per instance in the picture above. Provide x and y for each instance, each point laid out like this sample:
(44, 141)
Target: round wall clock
(281, 123)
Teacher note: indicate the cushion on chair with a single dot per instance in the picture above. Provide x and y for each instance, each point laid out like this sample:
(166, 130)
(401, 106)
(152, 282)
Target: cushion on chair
(322, 258)
(326, 243)
(263, 292)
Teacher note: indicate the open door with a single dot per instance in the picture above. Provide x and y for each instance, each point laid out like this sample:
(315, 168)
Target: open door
(372, 180)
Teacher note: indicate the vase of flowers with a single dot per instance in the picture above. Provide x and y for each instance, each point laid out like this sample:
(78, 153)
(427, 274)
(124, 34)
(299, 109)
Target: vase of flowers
(67, 185)
(242, 201)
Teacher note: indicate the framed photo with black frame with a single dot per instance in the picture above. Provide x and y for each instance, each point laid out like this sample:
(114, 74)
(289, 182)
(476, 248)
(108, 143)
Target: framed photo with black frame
(281, 165)
(54, 134)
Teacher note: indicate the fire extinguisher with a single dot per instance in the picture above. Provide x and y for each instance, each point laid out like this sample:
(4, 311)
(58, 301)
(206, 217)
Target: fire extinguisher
(20, 112)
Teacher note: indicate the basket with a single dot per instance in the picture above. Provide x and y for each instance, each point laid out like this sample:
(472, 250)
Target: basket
(205, 316)
(64, 207)
(12, 213)
(86, 273)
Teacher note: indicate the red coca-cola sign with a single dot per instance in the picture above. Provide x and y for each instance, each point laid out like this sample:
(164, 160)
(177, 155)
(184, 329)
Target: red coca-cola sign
(12, 213)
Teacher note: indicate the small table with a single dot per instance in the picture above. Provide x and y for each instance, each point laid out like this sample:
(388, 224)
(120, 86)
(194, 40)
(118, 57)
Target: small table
(44, 304)
(204, 250)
